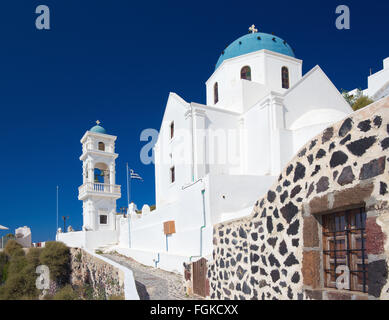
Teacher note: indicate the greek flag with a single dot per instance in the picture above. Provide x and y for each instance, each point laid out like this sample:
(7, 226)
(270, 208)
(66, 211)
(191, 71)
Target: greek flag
(134, 175)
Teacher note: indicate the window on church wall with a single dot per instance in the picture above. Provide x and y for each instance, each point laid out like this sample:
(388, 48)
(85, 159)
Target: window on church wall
(103, 219)
(245, 73)
(101, 146)
(344, 244)
(172, 130)
(285, 77)
(172, 174)
(215, 93)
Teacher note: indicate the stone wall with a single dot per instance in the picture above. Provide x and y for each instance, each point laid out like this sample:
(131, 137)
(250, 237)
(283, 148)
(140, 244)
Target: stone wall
(276, 253)
(104, 279)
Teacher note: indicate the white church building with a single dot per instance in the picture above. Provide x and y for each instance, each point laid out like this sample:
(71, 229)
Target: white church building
(213, 161)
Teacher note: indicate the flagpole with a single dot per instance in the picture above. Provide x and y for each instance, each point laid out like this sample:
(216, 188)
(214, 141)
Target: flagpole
(57, 209)
(128, 187)
(128, 200)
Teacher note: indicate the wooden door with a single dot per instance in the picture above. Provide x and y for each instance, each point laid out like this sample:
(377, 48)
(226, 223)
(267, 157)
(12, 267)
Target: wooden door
(199, 277)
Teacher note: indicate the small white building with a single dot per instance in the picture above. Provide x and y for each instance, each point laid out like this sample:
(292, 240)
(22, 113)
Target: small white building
(378, 83)
(23, 237)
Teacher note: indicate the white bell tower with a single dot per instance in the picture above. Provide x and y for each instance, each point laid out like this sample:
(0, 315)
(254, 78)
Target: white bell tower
(98, 191)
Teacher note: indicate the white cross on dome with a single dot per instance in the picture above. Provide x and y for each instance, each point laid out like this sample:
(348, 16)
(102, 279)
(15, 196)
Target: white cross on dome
(253, 29)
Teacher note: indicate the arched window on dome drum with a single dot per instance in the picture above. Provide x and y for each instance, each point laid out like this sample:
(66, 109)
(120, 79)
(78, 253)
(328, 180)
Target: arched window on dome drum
(101, 146)
(245, 73)
(215, 93)
(285, 77)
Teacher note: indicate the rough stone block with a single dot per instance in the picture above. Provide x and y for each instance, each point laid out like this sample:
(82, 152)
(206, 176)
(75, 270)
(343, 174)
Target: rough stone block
(310, 232)
(311, 269)
(373, 169)
(346, 127)
(360, 147)
(378, 276)
(352, 196)
(319, 204)
(323, 185)
(314, 294)
(347, 176)
(327, 135)
(334, 295)
(338, 158)
(375, 237)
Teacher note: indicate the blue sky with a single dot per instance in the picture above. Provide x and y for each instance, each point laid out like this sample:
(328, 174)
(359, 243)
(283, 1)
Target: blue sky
(117, 61)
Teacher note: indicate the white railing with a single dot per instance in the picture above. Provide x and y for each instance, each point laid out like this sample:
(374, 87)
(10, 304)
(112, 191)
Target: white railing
(99, 187)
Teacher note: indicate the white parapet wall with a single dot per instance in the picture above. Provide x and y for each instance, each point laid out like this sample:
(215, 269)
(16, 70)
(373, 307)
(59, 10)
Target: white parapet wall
(72, 239)
(130, 292)
(162, 260)
(96, 239)
(88, 239)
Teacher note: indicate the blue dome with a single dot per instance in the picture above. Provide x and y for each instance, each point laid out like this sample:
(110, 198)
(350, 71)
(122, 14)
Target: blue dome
(254, 42)
(98, 129)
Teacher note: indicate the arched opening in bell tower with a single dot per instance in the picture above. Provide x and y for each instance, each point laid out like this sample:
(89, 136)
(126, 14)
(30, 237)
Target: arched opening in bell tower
(101, 173)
